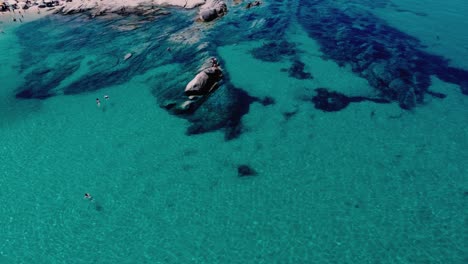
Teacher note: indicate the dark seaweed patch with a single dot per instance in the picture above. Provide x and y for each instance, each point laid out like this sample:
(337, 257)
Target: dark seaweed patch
(333, 101)
(245, 171)
(297, 71)
(274, 51)
(267, 101)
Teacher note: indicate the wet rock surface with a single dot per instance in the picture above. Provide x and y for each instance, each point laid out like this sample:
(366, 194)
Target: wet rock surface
(204, 81)
(212, 10)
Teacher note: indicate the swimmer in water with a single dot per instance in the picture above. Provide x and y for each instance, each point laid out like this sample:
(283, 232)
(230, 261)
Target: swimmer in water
(98, 102)
(106, 97)
(88, 196)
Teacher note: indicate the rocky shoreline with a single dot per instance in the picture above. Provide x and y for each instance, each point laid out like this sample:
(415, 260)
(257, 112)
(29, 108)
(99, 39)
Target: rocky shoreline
(208, 9)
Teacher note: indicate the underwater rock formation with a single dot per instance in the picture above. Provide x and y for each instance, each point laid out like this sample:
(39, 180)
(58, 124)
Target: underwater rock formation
(333, 101)
(297, 71)
(42, 81)
(274, 51)
(223, 110)
(266, 101)
(245, 171)
(268, 24)
(393, 62)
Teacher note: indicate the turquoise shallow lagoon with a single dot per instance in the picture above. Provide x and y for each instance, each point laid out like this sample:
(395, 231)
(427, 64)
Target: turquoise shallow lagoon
(372, 183)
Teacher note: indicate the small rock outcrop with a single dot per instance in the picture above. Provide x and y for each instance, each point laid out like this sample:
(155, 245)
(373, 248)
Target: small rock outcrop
(203, 82)
(212, 9)
(128, 56)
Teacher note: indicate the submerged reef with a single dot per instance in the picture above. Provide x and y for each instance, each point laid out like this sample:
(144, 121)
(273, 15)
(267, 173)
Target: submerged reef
(245, 171)
(267, 23)
(297, 71)
(329, 101)
(393, 62)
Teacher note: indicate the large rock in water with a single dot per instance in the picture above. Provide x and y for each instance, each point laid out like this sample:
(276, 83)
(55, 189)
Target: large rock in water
(212, 10)
(203, 81)
(196, 92)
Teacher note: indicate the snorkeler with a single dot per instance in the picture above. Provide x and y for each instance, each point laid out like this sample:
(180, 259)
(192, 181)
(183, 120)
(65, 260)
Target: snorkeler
(98, 102)
(88, 196)
(106, 97)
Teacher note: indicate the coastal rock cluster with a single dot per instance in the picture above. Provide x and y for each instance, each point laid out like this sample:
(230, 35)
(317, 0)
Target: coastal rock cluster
(209, 9)
(98, 7)
(12, 5)
(393, 62)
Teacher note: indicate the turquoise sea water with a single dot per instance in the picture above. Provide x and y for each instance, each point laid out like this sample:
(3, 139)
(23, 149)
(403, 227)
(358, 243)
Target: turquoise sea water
(372, 183)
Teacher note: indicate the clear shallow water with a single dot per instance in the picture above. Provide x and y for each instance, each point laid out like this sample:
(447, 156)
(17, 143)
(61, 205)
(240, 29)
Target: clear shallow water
(369, 184)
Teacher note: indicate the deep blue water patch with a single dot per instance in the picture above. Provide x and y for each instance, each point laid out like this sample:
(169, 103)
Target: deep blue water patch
(392, 61)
